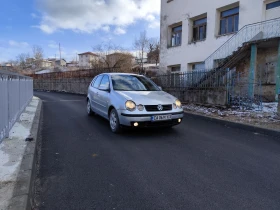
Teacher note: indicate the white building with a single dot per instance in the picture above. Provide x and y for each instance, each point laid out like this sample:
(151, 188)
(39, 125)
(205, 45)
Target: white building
(45, 64)
(191, 30)
(87, 59)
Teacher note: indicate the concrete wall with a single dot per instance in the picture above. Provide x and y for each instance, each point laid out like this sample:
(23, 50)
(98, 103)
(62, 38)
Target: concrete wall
(70, 85)
(266, 64)
(208, 96)
(265, 73)
(80, 86)
(184, 11)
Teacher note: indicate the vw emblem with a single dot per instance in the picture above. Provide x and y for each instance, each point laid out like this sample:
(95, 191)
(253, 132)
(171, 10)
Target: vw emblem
(160, 107)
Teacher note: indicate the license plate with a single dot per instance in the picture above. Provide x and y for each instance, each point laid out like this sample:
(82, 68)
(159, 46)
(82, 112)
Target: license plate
(161, 117)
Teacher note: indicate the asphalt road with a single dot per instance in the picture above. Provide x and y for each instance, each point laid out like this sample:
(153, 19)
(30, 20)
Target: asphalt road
(197, 165)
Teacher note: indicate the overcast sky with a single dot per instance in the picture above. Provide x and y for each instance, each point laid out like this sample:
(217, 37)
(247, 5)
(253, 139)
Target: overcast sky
(77, 24)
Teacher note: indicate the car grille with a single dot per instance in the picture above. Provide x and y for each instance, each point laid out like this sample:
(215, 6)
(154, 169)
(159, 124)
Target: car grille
(154, 108)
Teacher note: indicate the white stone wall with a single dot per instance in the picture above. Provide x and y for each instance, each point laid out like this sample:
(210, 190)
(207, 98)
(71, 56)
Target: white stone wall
(176, 11)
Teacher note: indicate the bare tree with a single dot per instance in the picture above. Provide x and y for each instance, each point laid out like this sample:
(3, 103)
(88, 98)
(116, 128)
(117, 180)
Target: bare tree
(110, 55)
(38, 54)
(22, 60)
(141, 45)
(14, 62)
(153, 54)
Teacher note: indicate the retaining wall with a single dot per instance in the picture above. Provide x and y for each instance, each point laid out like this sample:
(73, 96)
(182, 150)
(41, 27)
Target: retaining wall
(70, 85)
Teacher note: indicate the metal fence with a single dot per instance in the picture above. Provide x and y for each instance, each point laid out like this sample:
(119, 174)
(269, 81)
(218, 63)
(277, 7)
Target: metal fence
(192, 80)
(16, 91)
(216, 87)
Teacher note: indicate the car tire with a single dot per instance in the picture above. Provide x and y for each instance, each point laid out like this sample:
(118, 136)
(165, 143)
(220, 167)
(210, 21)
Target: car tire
(89, 110)
(114, 121)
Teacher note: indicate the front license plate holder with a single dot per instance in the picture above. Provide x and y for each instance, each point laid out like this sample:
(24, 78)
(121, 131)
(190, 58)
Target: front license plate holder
(161, 118)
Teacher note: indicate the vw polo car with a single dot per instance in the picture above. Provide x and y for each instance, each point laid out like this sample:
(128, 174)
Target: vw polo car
(132, 100)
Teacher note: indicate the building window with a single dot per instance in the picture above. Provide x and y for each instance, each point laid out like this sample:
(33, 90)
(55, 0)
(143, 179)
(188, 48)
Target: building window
(175, 68)
(229, 21)
(199, 29)
(176, 37)
(198, 66)
(273, 5)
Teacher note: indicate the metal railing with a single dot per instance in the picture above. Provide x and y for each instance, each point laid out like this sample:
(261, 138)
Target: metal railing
(195, 79)
(16, 91)
(252, 32)
(232, 85)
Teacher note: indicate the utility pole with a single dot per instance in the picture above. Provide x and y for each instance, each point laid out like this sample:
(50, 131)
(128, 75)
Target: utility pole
(55, 60)
(60, 53)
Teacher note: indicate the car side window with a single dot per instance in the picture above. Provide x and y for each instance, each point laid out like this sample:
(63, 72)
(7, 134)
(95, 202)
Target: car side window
(105, 84)
(97, 81)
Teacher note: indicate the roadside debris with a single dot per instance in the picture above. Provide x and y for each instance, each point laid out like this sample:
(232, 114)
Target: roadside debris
(266, 118)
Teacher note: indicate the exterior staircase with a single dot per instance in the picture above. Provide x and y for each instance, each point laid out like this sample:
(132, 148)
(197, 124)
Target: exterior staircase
(237, 48)
(249, 33)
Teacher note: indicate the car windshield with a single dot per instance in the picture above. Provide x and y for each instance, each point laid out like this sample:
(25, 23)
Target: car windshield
(133, 83)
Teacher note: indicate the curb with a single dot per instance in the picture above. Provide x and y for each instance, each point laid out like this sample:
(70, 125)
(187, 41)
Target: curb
(23, 191)
(56, 91)
(251, 128)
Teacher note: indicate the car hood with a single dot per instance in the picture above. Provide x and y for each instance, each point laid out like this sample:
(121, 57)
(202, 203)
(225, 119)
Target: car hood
(148, 97)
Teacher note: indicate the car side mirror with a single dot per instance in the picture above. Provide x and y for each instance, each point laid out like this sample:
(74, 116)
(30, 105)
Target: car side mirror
(160, 88)
(107, 89)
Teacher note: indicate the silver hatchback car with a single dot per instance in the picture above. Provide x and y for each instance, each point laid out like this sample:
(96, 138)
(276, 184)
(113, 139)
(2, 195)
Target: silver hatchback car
(132, 100)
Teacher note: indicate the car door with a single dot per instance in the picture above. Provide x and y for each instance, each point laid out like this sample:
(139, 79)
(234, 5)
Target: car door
(104, 94)
(95, 95)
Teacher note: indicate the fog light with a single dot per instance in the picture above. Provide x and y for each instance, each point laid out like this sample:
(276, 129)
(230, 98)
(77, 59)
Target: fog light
(136, 124)
(179, 120)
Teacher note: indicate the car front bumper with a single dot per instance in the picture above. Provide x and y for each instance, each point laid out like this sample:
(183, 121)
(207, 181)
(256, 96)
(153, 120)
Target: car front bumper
(144, 120)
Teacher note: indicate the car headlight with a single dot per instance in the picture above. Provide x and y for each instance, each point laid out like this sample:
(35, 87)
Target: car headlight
(130, 106)
(140, 107)
(177, 104)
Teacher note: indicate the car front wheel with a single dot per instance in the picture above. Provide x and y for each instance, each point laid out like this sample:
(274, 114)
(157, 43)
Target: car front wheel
(114, 121)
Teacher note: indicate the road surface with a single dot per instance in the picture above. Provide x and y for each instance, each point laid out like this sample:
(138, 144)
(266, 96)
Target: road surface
(197, 165)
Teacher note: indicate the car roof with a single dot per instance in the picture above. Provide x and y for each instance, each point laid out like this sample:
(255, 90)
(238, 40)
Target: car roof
(122, 74)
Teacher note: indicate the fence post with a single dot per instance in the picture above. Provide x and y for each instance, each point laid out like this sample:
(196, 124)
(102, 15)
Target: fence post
(228, 85)
(8, 108)
(277, 89)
